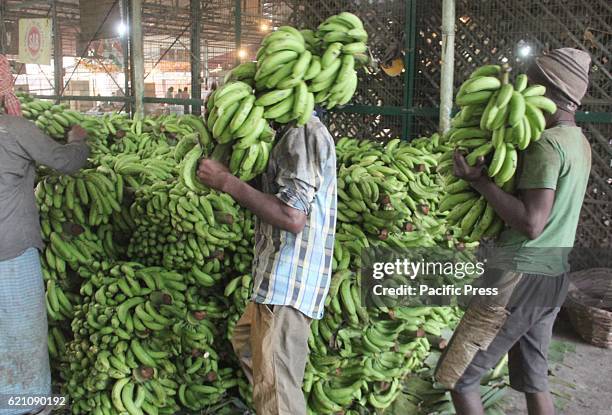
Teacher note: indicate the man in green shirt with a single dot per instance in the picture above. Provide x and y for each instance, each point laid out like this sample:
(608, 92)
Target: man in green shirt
(530, 259)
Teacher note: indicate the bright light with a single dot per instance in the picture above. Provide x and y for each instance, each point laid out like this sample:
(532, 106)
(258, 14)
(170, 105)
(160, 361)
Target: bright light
(242, 53)
(524, 51)
(264, 27)
(121, 29)
(504, 60)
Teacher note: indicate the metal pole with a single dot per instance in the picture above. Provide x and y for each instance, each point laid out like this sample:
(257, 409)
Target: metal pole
(138, 56)
(129, 70)
(3, 45)
(448, 64)
(238, 28)
(410, 65)
(196, 72)
(58, 67)
(206, 68)
(125, 46)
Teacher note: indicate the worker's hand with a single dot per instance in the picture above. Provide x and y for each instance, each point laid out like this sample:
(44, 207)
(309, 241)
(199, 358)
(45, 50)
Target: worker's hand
(213, 174)
(77, 134)
(463, 170)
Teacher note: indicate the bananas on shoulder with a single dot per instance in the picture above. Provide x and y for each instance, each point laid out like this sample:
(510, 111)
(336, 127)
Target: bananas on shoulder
(498, 119)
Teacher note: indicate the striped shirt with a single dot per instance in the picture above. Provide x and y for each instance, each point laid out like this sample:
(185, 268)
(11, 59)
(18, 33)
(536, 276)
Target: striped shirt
(295, 269)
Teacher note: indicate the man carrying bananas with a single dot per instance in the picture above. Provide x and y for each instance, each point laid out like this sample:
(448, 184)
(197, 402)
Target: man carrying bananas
(294, 239)
(24, 359)
(529, 263)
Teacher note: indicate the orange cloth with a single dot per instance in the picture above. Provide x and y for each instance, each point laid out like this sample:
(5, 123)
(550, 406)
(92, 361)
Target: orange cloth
(11, 102)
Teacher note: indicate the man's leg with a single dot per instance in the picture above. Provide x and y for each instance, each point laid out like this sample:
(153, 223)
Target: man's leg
(466, 392)
(280, 350)
(540, 403)
(241, 341)
(485, 334)
(467, 403)
(529, 365)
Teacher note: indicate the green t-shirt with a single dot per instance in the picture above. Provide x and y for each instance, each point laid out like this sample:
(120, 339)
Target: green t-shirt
(560, 160)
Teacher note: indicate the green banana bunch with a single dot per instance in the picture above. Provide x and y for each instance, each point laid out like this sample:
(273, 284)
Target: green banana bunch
(282, 59)
(345, 28)
(237, 120)
(55, 120)
(244, 72)
(298, 69)
(498, 119)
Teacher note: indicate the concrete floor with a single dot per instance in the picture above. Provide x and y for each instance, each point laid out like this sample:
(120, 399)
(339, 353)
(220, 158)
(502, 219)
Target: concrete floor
(581, 385)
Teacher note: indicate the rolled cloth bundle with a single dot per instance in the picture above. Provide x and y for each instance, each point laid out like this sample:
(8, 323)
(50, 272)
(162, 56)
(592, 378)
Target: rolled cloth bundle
(567, 69)
(7, 95)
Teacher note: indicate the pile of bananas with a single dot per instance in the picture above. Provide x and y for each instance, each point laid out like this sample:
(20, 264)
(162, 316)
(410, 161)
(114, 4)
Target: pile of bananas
(143, 343)
(389, 191)
(124, 337)
(359, 357)
(497, 120)
(76, 214)
(180, 230)
(147, 271)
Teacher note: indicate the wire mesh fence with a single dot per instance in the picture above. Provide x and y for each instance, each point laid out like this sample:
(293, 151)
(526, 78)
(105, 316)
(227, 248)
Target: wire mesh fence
(596, 215)
(494, 31)
(488, 31)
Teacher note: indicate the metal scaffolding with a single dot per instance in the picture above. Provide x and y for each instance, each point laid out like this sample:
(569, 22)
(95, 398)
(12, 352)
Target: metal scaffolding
(186, 45)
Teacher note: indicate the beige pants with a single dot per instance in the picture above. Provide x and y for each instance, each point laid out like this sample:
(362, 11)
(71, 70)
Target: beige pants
(272, 345)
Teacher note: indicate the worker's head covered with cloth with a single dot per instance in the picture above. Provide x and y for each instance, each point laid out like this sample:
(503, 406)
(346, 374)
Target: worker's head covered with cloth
(7, 96)
(565, 72)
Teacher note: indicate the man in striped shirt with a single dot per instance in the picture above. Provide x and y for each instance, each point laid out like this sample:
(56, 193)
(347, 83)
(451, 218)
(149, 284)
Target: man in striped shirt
(294, 239)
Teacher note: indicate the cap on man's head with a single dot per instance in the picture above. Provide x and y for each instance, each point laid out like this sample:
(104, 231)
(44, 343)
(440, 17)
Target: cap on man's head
(567, 69)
